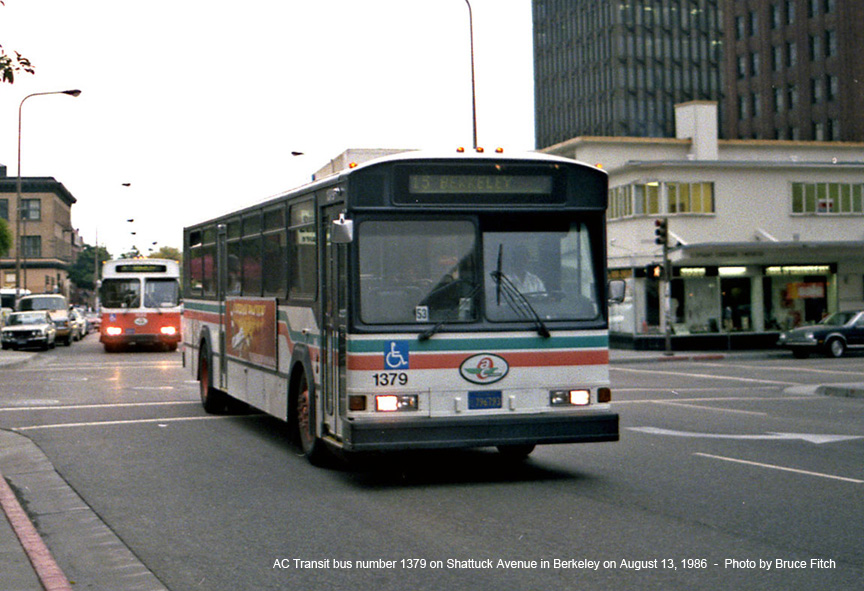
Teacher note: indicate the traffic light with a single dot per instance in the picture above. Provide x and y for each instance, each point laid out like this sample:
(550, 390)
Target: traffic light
(654, 271)
(661, 231)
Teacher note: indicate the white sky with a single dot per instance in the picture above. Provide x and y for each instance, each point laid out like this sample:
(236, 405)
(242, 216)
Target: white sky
(199, 103)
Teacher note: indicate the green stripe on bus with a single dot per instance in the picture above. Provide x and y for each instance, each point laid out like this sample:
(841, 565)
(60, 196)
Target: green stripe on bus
(479, 344)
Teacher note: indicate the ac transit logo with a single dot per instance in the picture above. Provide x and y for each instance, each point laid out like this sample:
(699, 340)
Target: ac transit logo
(484, 368)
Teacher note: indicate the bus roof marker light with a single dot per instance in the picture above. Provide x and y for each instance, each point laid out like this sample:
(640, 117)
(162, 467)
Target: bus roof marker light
(479, 150)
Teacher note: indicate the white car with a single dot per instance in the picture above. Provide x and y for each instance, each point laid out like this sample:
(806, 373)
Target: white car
(29, 329)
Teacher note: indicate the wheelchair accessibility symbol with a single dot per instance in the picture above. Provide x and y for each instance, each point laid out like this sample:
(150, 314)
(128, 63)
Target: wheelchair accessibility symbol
(396, 355)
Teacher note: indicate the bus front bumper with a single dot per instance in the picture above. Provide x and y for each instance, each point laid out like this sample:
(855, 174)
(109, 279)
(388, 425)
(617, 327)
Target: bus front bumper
(462, 432)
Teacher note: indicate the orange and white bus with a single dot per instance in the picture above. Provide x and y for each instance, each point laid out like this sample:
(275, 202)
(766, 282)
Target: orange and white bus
(140, 302)
(411, 302)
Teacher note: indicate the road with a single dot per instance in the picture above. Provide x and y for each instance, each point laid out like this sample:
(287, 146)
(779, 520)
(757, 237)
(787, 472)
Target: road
(729, 474)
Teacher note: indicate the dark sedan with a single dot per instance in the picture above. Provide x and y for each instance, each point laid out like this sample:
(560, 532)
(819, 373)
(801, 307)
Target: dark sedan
(833, 335)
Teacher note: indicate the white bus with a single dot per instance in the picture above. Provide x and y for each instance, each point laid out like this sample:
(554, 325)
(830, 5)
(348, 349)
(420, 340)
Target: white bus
(140, 302)
(411, 302)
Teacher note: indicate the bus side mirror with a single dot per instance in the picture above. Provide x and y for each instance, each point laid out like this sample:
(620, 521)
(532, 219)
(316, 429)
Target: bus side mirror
(342, 231)
(617, 291)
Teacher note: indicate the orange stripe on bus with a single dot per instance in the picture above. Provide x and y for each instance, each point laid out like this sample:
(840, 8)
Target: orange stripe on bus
(516, 359)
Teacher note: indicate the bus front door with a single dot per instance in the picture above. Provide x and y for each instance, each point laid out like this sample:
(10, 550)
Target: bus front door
(335, 307)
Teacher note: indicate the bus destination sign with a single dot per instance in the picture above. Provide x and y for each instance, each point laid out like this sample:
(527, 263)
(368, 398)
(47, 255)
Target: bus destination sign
(479, 184)
(140, 268)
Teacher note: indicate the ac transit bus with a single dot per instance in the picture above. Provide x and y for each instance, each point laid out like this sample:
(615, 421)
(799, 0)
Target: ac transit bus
(140, 301)
(411, 302)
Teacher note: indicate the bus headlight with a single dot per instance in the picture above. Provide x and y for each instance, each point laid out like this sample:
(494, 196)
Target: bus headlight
(395, 402)
(578, 397)
(113, 331)
(168, 330)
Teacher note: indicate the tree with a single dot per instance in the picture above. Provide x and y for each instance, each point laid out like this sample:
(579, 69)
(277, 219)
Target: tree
(82, 271)
(167, 252)
(5, 238)
(9, 64)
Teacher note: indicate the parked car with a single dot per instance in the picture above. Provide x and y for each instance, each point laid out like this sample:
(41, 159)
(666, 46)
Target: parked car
(57, 306)
(78, 324)
(28, 329)
(833, 335)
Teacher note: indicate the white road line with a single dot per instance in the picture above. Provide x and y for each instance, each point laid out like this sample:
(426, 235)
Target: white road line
(782, 468)
(705, 375)
(711, 408)
(719, 399)
(91, 406)
(780, 368)
(128, 422)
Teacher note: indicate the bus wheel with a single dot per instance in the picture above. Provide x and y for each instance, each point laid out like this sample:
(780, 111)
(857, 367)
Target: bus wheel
(213, 401)
(304, 416)
(516, 452)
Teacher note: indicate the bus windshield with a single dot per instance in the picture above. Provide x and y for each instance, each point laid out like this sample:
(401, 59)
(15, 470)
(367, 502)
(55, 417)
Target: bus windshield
(161, 293)
(422, 272)
(418, 271)
(120, 293)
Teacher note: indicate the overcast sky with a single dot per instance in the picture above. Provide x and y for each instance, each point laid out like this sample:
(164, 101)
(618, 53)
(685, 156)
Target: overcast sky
(199, 103)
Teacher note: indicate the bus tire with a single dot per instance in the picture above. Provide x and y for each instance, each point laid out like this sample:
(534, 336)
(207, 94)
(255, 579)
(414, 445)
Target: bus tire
(516, 451)
(214, 401)
(304, 421)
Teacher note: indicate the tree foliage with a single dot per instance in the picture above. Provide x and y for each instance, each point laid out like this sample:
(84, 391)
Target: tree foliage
(5, 238)
(83, 269)
(9, 64)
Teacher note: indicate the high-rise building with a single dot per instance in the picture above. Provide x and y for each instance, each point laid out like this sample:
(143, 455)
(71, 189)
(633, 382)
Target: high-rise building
(618, 67)
(794, 70)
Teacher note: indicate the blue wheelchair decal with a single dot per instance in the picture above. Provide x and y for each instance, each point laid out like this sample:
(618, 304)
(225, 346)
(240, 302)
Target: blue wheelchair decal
(396, 355)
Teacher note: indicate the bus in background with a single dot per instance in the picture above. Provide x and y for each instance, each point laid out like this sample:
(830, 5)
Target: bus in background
(411, 302)
(140, 303)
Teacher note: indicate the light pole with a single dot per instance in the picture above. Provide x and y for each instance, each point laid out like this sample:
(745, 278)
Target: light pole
(473, 91)
(20, 223)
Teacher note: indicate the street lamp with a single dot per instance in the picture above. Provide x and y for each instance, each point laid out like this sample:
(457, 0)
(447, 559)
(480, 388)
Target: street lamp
(20, 223)
(473, 91)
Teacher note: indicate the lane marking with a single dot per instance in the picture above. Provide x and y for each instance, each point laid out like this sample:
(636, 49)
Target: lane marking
(128, 422)
(816, 438)
(781, 468)
(795, 369)
(91, 406)
(718, 399)
(708, 376)
(711, 408)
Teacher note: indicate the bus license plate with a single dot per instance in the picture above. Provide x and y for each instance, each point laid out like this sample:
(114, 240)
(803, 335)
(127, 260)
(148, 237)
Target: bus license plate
(486, 399)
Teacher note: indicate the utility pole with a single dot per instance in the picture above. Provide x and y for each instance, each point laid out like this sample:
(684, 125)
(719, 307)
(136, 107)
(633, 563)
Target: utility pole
(661, 237)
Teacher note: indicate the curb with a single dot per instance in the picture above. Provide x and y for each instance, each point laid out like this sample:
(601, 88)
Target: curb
(49, 574)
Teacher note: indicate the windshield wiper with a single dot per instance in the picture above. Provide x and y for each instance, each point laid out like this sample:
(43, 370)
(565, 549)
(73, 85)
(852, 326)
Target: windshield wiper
(518, 302)
(428, 333)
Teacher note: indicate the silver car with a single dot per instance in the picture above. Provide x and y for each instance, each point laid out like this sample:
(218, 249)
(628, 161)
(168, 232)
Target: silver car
(29, 329)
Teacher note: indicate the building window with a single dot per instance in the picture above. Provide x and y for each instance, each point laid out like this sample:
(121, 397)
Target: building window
(742, 107)
(778, 100)
(791, 54)
(31, 210)
(828, 198)
(816, 90)
(792, 98)
(833, 87)
(830, 43)
(32, 247)
(754, 63)
(739, 27)
(4, 209)
(776, 58)
(691, 197)
(819, 131)
(815, 45)
(742, 66)
(775, 16)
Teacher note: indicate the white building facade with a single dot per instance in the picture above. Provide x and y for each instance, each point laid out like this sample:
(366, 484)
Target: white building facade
(764, 235)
